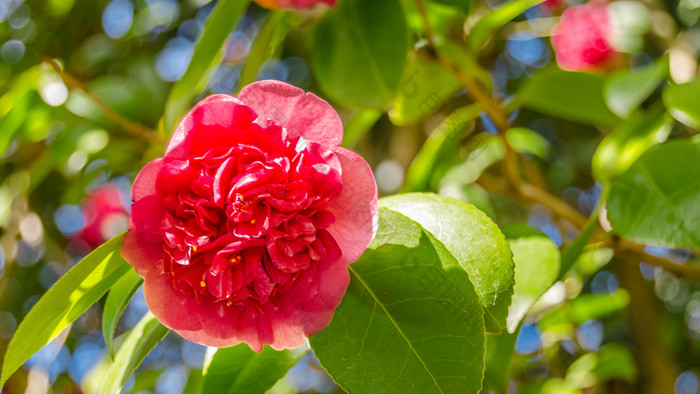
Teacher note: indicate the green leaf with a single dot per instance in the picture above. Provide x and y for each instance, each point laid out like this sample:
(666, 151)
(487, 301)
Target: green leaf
(494, 20)
(550, 92)
(424, 89)
(626, 90)
(476, 242)
(537, 263)
(462, 5)
(358, 125)
(499, 351)
(528, 141)
(15, 104)
(271, 34)
(615, 361)
(657, 201)
(135, 347)
(583, 308)
(683, 102)
(117, 299)
(410, 321)
(65, 301)
(368, 37)
(594, 306)
(612, 361)
(206, 57)
(631, 139)
(441, 143)
(238, 369)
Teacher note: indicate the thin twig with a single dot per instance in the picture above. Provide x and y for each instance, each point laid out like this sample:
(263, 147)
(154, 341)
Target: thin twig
(134, 128)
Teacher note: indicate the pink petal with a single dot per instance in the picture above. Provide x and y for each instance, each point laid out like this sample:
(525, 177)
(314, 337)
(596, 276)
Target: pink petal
(142, 246)
(214, 121)
(145, 182)
(355, 210)
(302, 114)
(172, 307)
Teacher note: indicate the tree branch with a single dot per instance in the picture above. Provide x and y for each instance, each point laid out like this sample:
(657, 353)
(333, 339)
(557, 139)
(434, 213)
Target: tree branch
(133, 128)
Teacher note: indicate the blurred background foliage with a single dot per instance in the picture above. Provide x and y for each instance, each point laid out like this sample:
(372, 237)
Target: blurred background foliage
(84, 85)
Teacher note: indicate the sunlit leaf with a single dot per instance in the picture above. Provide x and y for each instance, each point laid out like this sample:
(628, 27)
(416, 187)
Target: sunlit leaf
(65, 301)
(631, 139)
(206, 57)
(657, 200)
(238, 369)
(376, 64)
(135, 347)
(410, 320)
(625, 90)
(116, 302)
(683, 102)
(476, 242)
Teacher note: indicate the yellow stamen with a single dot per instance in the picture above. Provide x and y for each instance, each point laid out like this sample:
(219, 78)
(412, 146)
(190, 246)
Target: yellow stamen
(229, 303)
(252, 221)
(202, 284)
(194, 248)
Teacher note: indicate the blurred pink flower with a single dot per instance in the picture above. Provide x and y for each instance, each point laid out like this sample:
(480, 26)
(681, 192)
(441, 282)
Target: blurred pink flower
(105, 216)
(244, 229)
(581, 40)
(296, 4)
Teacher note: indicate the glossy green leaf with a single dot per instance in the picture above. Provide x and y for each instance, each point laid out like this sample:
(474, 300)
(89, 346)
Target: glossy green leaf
(376, 64)
(442, 142)
(135, 347)
(271, 33)
(206, 57)
(238, 369)
(550, 92)
(626, 90)
(683, 102)
(657, 201)
(65, 301)
(619, 149)
(116, 301)
(424, 89)
(410, 321)
(476, 242)
(537, 263)
(494, 20)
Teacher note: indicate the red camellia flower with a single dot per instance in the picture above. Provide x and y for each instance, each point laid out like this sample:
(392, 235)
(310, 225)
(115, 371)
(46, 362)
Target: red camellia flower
(105, 216)
(244, 229)
(297, 4)
(581, 40)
